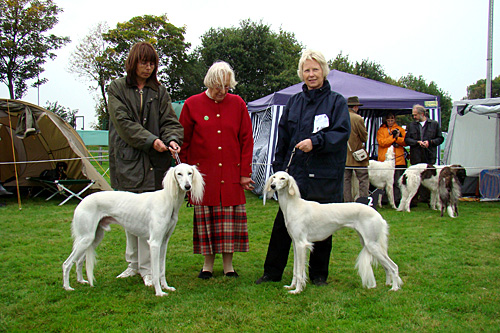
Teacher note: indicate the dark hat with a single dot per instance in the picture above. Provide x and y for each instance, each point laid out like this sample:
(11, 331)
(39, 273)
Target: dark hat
(353, 101)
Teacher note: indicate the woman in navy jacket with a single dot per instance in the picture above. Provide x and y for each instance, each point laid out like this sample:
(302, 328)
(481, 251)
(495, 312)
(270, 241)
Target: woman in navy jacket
(316, 123)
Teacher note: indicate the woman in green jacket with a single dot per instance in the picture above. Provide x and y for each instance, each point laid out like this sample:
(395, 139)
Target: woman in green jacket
(143, 132)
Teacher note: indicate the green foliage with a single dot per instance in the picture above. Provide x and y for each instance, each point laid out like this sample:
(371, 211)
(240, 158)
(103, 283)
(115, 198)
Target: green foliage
(478, 89)
(449, 268)
(375, 71)
(365, 68)
(94, 61)
(264, 61)
(167, 39)
(65, 113)
(24, 44)
(419, 84)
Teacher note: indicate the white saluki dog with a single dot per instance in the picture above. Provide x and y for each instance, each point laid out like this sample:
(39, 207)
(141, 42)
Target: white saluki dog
(152, 215)
(381, 175)
(309, 221)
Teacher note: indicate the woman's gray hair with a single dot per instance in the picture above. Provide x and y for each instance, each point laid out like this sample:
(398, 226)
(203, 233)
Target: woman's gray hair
(217, 73)
(313, 55)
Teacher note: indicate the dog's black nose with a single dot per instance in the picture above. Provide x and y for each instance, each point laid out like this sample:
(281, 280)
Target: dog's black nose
(187, 187)
(273, 186)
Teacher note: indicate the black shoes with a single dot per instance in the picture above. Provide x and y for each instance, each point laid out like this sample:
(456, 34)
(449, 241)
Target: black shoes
(266, 278)
(205, 275)
(320, 281)
(232, 274)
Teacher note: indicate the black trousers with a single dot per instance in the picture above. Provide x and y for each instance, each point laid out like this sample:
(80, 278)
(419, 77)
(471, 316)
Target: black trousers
(279, 247)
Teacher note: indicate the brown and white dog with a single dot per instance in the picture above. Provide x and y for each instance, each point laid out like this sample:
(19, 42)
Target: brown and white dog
(426, 175)
(450, 183)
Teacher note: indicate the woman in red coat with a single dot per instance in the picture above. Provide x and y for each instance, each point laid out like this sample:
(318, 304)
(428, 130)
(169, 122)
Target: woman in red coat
(218, 140)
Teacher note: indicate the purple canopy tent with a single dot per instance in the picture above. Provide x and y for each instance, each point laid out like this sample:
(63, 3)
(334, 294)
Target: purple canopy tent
(377, 97)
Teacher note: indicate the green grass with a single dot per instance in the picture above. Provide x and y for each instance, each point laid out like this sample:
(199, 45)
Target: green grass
(450, 269)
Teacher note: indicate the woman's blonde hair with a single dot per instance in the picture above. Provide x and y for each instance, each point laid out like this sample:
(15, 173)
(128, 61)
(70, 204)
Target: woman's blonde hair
(217, 74)
(313, 55)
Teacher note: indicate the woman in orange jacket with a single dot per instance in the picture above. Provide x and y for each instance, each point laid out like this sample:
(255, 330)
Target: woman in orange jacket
(391, 134)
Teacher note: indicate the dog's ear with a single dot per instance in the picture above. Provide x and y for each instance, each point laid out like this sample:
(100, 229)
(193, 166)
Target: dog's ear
(293, 189)
(198, 186)
(169, 180)
(267, 188)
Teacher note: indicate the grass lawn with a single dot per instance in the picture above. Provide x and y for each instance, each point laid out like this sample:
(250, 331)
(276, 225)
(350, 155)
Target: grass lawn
(450, 269)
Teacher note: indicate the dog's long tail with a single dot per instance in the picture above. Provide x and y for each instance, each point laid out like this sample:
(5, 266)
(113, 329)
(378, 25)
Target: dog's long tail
(366, 260)
(90, 254)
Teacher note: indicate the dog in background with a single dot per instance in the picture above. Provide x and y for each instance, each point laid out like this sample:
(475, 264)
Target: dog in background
(416, 175)
(450, 182)
(59, 173)
(152, 215)
(309, 221)
(381, 175)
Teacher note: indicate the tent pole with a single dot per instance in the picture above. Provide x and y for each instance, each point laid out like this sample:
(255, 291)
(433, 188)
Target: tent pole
(489, 58)
(14, 159)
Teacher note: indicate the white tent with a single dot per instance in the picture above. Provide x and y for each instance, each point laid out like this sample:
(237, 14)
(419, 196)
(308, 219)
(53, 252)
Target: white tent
(474, 139)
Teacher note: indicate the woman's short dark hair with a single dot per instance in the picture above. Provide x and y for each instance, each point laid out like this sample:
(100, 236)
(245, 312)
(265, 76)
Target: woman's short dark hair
(142, 51)
(388, 115)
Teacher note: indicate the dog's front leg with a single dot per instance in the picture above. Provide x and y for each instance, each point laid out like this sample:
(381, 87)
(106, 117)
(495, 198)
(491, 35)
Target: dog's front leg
(163, 257)
(295, 271)
(299, 257)
(154, 249)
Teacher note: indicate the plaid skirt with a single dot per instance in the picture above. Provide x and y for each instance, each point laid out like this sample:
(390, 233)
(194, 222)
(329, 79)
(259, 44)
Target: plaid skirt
(220, 229)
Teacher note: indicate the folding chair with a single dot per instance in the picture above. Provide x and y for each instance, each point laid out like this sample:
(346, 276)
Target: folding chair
(61, 187)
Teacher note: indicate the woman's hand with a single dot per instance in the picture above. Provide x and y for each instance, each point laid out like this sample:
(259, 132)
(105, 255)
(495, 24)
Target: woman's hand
(305, 145)
(159, 146)
(246, 183)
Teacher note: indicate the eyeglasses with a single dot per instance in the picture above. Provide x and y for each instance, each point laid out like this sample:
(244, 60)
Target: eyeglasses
(221, 87)
(146, 64)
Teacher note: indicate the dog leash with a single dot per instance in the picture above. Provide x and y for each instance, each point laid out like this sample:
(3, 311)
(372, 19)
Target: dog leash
(290, 161)
(177, 159)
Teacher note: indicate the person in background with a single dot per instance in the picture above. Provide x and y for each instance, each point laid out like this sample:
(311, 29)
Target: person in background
(315, 125)
(423, 136)
(391, 134)
(143, 132)
(357, 140)
(218, 140)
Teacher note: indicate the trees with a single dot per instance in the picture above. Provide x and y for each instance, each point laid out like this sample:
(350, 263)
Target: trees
(93, 60)
(365, 68)
(65, 113)
(167, 39)
(375, 71)
(264, 61)
(24, 46)
(478, 89)
(418, 84)
(100, 57)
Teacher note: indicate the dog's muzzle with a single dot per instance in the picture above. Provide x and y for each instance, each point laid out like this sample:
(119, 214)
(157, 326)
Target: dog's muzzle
(273, 186)
(187, 187)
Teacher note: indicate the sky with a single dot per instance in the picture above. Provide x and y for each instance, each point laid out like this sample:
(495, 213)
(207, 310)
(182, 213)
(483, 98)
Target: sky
(444, 41)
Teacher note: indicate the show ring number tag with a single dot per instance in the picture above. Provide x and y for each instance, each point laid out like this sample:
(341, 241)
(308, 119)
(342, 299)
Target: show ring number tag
(320, 121)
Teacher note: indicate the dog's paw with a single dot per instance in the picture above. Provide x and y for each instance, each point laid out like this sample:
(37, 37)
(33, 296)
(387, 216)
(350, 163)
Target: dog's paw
(295, 291)
(166, 287)
(289, 287)
(161, 294)
(68, 288)
(83, 281)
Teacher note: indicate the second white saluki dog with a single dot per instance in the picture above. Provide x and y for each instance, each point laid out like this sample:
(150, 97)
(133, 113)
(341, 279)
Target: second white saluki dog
(309, 221)
(381, 175)
(151, 215)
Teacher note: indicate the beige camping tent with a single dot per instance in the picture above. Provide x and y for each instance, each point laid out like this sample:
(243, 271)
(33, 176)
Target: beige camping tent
(40, 138)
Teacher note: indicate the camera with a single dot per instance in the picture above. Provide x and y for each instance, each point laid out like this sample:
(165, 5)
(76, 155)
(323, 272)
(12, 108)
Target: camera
(395, 133)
